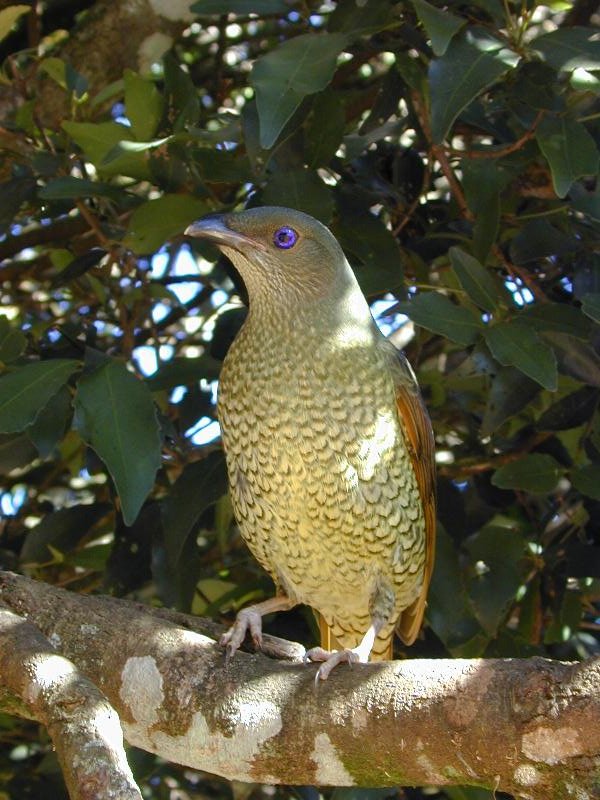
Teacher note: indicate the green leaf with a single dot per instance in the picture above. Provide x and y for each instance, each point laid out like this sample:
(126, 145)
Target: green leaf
(244, 7)
(69, 187)
(324, 130)
(8, 17)
(12, 341)
(302, 189)
(16, 451)
(537, 473)
(96, 139)
(27, 390)
(471, 63)
(441, 26)
(511, 392)
(567, 49)
(557, 317)
(539, 239)
(360, 19)
(570, 411)
(285, 76)
(61, 531)
(143, 105)
(475, 279)
(13, 193)
(449, 611)
(157, 220)
(115, 415)
(590, 305)
(496, 550)
(569, 149)
(364, 237)
(198, 487)
(483, 181)
(516, 345)
(576, 358)
(587, 480)
(439, 314)
(50, 425)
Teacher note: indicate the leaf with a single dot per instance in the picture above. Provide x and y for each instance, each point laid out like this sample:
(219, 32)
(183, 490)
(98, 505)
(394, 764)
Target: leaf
(12, 341)
(99, 139)
(360, 19)
(483, 181)
(558, 317)
(367, 239)
(475, 279)
(567, 49)
(516, 345)
(437, 313)
(537, 473)
(586, 480)
(285, 76)
(155, 221)
(26, 390)
(198, 487)
(576, 358)
(8, 17)
(539, 239)
(324, 130)
(441, 26)
(570, 411)
(590, 305)
(16, 451)
(449, 612)
(143, 105)
(569, 149)
(69, 187)
(50, 425)
(243, 7)
(61, 530)
(115, 415)
(471, 63)
(511, 391)
(302, 189)
(13, 193)
(496, 550)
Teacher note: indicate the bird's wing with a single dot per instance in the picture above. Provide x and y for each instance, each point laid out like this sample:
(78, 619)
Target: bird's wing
(421, 446)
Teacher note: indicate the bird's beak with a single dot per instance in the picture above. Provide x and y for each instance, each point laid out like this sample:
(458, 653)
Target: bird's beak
(214, 228)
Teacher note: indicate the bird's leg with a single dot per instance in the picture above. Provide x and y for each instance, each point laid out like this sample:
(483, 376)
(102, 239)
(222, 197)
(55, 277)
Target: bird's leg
(250, 619)
(331, 658)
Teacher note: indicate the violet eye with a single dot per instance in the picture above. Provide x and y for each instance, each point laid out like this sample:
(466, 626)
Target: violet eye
(285, 237)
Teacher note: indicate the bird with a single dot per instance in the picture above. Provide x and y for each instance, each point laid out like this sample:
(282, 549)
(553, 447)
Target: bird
(328, 445)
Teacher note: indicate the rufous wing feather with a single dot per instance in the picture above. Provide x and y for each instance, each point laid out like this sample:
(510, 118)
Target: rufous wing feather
(421, 444)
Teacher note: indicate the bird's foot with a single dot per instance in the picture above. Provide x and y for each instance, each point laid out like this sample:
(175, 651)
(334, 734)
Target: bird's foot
(331, 658)
(248, 619)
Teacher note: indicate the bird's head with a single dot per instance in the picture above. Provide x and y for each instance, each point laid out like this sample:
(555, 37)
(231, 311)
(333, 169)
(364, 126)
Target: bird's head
(281, 254)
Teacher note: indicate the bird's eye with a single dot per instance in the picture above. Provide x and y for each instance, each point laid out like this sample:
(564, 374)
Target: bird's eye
(285, 237)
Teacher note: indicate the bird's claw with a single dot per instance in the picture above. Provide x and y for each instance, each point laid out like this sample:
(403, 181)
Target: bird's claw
(330, 659)
(247, 620)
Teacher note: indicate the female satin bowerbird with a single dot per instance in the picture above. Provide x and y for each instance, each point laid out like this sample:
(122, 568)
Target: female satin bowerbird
(329, 448)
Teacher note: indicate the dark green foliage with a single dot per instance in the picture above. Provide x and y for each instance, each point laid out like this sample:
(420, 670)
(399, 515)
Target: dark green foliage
(454, 151)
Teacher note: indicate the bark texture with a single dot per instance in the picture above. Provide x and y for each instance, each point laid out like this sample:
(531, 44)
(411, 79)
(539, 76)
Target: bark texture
(528, 727)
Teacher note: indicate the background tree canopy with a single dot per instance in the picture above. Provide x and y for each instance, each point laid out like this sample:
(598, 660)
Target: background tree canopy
(453, 150)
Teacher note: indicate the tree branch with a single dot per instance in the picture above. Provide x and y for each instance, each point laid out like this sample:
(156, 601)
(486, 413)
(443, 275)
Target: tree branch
(529, 727)
(83, 727)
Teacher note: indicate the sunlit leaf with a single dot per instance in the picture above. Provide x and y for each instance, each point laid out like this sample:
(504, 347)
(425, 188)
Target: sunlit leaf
(8, 17)
(516, 345)
(440, 25)
(285, 76)
(568, 49)
(471, 63)
(439, 314)
(143, 105)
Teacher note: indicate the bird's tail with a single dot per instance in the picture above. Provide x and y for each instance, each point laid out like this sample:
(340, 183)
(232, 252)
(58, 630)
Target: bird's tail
(382, 649)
